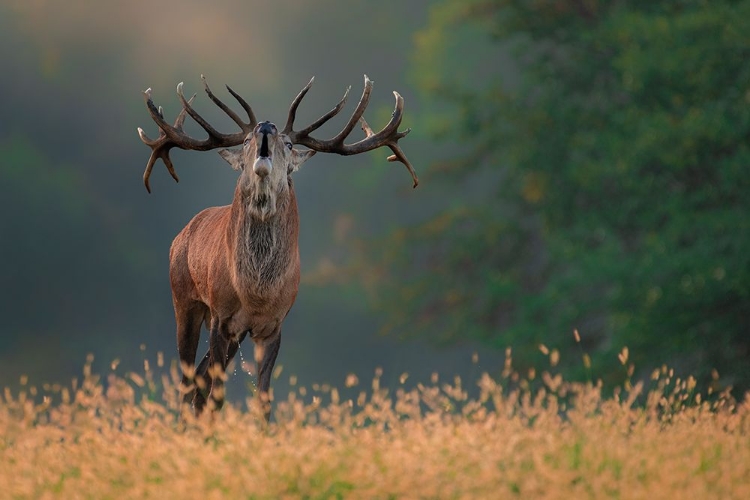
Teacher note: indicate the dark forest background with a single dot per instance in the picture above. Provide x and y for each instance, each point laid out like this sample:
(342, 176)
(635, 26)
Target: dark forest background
(584, 166)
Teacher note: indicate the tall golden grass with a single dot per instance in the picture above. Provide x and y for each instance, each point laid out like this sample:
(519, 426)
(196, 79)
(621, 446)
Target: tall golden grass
(519, 436)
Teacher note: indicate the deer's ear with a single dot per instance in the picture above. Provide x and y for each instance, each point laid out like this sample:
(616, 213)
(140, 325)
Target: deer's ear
(233, 157)
(298, 158)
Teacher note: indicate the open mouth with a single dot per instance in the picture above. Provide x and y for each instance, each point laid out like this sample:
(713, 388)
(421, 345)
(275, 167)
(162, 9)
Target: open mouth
(263, 151)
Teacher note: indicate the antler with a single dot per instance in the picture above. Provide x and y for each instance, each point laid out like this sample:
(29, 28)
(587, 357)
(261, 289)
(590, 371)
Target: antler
(388, 136)
(171, 136)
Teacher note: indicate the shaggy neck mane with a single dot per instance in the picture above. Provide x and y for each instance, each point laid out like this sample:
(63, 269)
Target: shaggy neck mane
(261, 246)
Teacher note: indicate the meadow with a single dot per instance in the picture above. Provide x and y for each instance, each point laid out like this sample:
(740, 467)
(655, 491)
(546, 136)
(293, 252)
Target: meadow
(517, 436)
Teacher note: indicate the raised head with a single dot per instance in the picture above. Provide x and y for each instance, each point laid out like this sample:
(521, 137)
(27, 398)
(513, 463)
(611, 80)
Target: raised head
(267, 150)
(266, 160)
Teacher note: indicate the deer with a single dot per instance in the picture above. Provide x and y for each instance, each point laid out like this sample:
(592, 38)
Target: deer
(236, 268)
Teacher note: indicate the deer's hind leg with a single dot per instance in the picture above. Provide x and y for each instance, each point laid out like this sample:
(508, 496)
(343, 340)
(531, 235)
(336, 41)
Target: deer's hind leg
(266, 351)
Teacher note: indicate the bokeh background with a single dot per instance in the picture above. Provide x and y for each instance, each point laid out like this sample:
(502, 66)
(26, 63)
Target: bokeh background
(583, 164)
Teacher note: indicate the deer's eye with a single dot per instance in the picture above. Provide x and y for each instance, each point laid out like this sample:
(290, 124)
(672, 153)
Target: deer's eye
(289, 146)
(247, 141)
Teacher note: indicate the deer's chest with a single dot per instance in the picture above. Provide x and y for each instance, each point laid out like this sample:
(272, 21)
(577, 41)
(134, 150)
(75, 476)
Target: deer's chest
(267, 268)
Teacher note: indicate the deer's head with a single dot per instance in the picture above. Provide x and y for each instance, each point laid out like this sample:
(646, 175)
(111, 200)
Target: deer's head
(266, 160)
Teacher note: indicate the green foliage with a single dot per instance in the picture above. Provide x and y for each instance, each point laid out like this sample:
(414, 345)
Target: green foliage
(611, 142)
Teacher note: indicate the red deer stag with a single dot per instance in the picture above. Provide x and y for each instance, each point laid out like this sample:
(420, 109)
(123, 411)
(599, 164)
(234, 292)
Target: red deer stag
(236, 268)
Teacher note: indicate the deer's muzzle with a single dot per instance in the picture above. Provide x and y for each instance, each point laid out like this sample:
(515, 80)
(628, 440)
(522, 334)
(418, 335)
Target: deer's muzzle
(263, 165)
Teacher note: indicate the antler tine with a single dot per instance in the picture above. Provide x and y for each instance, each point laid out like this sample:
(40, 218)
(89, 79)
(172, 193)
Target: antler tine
(398, 155)
(246, 127)
(388, 136)
(293, 108)
(212, 132)
(180, 121)
(171, 136)
(156, 154)
(149, 167)
(159, 146)
(358, 112)
(157, 115)
(245, 106)
(323, 119)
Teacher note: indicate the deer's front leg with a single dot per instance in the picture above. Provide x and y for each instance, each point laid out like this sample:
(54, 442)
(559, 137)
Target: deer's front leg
(218, 347)
(199, 401)
(266, 351)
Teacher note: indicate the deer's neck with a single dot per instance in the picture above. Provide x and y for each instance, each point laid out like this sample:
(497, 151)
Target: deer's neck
(264, 250)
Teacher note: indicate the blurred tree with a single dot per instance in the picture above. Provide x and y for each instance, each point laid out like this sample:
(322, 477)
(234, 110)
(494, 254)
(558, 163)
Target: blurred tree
(63, 255)
(597, 181)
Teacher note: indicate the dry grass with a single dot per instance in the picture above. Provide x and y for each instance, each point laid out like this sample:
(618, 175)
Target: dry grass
(545, 438)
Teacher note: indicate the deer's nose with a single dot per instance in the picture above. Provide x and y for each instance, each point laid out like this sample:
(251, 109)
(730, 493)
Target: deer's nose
(266, 128)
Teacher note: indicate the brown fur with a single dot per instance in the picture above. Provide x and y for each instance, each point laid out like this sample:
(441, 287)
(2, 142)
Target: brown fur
(236, 268)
